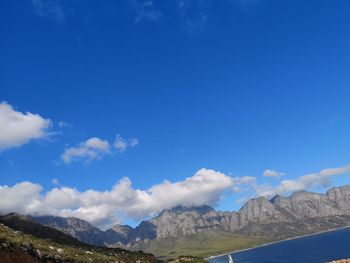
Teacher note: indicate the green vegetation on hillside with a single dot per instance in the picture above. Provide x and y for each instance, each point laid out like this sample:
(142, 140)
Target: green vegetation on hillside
(188, 259)
(16, 243)
(202, 244)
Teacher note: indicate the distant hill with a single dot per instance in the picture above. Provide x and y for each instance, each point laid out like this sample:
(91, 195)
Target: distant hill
(204, 231)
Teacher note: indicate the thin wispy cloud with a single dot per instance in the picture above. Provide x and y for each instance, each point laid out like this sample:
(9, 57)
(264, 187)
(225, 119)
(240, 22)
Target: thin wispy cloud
(63, 124)
(242, 184)
(191, 15)
(245, 4)
(272, 173)
(53, 9)
(145, 10)
(321, 179)
(55, 181)
(122, 144)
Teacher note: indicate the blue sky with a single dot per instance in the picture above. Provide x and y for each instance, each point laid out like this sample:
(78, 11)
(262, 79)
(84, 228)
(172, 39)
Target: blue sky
(236, 87)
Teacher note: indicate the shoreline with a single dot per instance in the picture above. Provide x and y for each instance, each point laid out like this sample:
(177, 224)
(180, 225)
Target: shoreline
(274, 242)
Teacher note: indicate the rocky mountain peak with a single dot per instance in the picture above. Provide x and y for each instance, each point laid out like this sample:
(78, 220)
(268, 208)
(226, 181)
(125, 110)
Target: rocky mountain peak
(257, 203)
(302, 194)
(65, 223)
(189, 209)
(123, 230)
(341, 192)
(279, 200)
(260, 210)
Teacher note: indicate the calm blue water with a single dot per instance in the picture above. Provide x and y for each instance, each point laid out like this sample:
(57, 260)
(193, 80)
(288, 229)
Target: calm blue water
(312, 249)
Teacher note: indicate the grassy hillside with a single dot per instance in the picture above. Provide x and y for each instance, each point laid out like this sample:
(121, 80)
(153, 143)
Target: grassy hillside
(17, 245)
(28, 226)
(202, 244)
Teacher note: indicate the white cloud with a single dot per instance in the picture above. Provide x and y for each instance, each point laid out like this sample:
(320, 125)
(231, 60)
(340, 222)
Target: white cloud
(22, 198)
(63, 124)
(97, 144)
(19, 128)
(102, 207)
(314, 180)
(122, 144)
(205, 187)
(92, 149)
(241, 184)
(272, 173)
(55, 181)
(96, 148)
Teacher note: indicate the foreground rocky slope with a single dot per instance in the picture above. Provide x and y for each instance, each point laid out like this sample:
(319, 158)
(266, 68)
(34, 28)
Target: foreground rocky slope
(16, 246)
(260, 220)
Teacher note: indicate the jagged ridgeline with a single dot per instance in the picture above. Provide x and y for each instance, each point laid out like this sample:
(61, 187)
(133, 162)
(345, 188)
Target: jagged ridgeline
(203, 231)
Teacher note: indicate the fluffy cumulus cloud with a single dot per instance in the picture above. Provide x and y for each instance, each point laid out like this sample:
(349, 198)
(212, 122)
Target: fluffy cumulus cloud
(18, 128)
(272, 173)
(96, 148)
(92, 149)
(205, 187)
(23, 198)
(102, 207)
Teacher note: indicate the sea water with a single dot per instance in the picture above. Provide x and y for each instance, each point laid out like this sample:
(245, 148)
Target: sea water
(317, 248)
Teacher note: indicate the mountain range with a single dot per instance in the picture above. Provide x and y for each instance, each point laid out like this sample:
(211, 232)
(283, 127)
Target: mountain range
(204, 231)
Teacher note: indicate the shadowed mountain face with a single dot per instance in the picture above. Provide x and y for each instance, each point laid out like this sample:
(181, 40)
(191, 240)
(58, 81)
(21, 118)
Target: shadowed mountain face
(303, 212)
(75, 227)
(28, 226)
